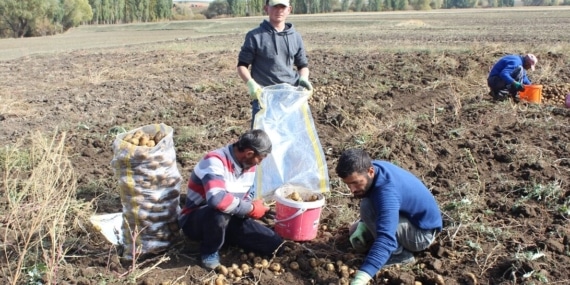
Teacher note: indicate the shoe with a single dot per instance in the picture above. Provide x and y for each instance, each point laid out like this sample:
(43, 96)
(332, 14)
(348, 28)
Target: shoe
(211, 261)
(516, 97)
(404, 257)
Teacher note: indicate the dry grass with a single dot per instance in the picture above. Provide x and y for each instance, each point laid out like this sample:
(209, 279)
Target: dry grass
(13, 103)
(41, 212)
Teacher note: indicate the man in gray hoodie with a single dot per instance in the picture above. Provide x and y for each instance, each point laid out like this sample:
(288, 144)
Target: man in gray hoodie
(272, 50)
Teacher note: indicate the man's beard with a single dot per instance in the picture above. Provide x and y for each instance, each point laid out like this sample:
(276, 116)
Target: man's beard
(366, 188)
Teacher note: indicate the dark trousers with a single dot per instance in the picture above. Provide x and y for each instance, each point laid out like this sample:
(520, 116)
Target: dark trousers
(255, 107)
(215, 229)
(499, 88)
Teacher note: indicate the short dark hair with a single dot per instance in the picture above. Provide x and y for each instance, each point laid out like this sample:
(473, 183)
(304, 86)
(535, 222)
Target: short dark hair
(256, 140)
(351, 161)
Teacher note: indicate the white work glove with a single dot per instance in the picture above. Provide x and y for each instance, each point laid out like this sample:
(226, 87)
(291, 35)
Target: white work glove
(254, 89)
(305, 83)
(360, 278)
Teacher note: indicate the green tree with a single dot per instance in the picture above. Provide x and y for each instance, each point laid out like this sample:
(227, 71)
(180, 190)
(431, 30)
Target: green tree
(420, 4)
(344, 5)
(358, 5)
(216, 8)
(375, 5)
(21, 16)
(75, 12)
(461, 3)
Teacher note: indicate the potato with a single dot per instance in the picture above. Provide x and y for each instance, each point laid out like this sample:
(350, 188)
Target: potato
(220, 281)
(295, 196)
(144, 140)
(147, 205)
(134, 141)
(158, 208)
(138, 134)
(275, 267)
(128, 137)
(313, 262)
(245, 268)
(167, 162)
(294, 265)
(222, 270)
(159, 136)
(143, 215)
(150, 143)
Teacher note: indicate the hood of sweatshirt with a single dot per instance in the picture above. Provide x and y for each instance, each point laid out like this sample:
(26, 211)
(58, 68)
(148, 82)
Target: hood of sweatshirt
(288, 31)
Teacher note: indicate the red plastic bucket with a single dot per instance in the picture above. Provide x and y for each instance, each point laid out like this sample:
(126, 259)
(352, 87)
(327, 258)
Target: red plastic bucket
(297, 220)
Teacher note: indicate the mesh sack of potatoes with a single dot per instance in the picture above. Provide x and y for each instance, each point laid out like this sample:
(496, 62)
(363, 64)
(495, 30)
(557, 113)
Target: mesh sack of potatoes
(144, 163)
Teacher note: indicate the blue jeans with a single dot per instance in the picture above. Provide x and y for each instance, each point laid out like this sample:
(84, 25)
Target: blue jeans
(215, 229)
(408, 236)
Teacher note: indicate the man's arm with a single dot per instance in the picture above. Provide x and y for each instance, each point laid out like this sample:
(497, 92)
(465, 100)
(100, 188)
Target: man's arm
(244, 73)
(304, 72)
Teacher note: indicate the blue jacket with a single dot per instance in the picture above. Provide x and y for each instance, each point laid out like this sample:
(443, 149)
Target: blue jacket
(396, 192)
(272, 55)
(506, 65)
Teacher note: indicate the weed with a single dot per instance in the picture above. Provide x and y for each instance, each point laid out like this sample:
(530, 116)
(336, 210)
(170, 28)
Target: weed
(548, 194)
(36, 235)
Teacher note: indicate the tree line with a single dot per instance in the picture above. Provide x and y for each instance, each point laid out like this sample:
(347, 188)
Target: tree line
(28, 18)
(237, 8)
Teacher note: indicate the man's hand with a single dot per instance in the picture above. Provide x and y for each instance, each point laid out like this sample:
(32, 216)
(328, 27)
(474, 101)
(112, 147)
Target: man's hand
(360, 278)
(518, 86)
(357, 238)
(254, 89)
(305, 83)
(258, 209)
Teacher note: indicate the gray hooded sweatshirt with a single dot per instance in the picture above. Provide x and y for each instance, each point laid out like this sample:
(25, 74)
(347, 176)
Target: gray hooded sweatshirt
(273, 54)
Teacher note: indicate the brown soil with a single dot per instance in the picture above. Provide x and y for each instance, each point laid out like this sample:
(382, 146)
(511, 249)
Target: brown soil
(482, 160)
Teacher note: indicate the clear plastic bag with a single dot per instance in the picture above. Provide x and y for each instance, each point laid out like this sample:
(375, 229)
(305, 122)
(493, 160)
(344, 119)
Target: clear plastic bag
(297, 157)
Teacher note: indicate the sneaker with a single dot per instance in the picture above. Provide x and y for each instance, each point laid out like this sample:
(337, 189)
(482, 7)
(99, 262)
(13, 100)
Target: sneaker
(404, 257)
(211, 261)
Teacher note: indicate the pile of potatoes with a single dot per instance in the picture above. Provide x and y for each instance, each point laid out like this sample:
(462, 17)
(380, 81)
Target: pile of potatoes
(295, 196)
(555, 94)
(252, 264)
(141, 138)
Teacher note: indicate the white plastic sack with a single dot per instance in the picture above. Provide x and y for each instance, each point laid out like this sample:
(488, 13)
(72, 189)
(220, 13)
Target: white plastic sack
(110, 225)
(149, 182)
(297, 157)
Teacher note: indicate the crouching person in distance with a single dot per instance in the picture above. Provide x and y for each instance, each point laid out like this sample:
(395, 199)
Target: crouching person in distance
(398, 214)
(508, 76)
(219, 208)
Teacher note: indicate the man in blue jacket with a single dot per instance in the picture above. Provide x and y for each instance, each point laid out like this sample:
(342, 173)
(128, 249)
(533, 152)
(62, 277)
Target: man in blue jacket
(273, 50)
(508, 76)
(398, 214)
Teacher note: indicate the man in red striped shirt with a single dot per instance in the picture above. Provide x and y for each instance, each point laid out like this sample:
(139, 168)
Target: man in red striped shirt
(219, 206)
